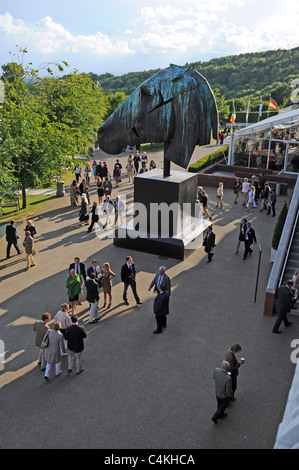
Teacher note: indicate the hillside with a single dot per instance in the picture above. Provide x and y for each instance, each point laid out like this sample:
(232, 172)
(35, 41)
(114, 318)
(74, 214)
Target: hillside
(237, 76)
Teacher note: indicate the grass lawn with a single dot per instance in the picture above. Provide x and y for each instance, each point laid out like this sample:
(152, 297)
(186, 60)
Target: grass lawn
(34, 203)
(152, 147)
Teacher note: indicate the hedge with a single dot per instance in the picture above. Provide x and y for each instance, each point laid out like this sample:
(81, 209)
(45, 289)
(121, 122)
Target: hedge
(279, 226)
(207, 160)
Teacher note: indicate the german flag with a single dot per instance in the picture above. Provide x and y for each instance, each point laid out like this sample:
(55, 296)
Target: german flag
(272, 103)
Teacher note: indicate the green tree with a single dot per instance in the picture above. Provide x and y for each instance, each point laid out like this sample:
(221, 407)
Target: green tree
(44, 125)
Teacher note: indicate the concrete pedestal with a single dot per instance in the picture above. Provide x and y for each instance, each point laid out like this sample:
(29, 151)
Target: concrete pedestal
(165, 222)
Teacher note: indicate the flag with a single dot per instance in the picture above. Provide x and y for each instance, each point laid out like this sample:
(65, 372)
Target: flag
(261, 108)
(248, 110)
(273, 103)
(233, 116)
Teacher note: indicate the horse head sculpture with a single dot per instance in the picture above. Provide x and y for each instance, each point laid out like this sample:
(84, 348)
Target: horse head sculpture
(175, 106)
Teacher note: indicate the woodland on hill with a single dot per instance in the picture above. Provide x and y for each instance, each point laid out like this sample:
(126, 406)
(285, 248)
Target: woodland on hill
(236, 77)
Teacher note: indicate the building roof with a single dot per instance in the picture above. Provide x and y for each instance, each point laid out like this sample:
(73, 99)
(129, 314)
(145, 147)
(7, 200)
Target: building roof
(279, 121)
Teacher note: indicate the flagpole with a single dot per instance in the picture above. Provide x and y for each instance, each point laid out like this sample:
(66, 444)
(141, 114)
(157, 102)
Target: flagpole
(269, 106)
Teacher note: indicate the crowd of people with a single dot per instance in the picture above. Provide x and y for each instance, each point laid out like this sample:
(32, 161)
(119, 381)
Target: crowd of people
(66, 338)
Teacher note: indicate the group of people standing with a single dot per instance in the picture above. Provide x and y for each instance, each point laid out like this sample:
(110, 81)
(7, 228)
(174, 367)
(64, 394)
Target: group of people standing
(67, 337)
(253, 190)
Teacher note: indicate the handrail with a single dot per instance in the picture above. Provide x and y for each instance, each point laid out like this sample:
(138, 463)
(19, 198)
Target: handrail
(288, 250)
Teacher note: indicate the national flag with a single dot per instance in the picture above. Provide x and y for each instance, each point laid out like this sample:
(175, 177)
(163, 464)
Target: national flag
(273, 103)
(248, 110)
(233, 116)
(261, 108)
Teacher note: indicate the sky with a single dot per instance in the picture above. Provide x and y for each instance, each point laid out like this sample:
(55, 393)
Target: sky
(121, 36)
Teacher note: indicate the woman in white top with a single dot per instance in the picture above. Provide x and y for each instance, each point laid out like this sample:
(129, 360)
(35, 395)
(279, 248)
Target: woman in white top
(245, 190)
(219, 195)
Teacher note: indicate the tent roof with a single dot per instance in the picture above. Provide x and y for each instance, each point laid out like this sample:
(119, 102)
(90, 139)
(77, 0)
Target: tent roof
(279, 121)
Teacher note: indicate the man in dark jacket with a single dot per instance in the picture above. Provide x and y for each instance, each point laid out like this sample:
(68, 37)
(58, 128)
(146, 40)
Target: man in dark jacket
(272, 203)
(128, 277)
(161, 308)
(74, 335)
(283, 305)
(12, 239)
(92, 296)
(249, 238)
(209, 243)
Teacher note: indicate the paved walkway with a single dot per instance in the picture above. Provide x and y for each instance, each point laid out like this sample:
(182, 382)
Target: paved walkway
(140, 390)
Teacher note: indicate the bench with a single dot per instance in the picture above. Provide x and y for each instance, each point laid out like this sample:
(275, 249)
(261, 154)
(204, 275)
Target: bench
(14, 203)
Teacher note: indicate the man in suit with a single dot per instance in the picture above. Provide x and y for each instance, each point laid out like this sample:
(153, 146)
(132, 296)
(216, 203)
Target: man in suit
(249, 238)
(92, 296)
(261, 184)
(81, 271)
(29, 250)
(209, 243)
(128, 277)
(161, 309)
(12, 239)
(107, 208)
(94, 268)
(283, 304)
(161, 279)
(271, 203)
(223, 389)
(74, 336)
(40, 328)
(118, 208)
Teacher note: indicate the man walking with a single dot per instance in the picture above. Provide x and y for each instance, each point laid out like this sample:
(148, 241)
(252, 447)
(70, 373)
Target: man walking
(128, 277)
(74, 336)
(12, 239)
(249, 238)
(161, 309)
(209, 243)
(161, 279)
(223, 389)
(283, 305)
(92, 296)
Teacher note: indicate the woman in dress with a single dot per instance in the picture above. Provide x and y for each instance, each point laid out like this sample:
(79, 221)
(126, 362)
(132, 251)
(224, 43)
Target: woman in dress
(100, 189)
(84, 211)
(241, 234)
(74, 193)
(237, 189)
(30, 228)
(94, 166)
(219, 195)
(106, 276)
(73, 285)
(245, 190)
(117, 175)
(251, 198)
(53, 350)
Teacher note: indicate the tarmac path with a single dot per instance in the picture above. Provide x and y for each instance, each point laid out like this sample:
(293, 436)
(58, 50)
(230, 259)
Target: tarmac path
(139, 390)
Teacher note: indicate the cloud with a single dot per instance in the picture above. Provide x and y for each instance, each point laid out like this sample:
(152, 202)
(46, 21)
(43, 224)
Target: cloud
(48, 37)
(208, 26)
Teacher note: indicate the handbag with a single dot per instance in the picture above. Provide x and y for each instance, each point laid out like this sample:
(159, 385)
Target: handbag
(45, 341)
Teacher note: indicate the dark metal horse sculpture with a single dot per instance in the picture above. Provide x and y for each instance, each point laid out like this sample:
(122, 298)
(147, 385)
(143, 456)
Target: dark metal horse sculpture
(175, 106)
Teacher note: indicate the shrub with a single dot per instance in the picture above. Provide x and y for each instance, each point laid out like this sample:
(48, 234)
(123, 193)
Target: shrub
(207, 160)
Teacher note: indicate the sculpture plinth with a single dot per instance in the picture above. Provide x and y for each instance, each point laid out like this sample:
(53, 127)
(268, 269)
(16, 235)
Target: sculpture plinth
(165, 221)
